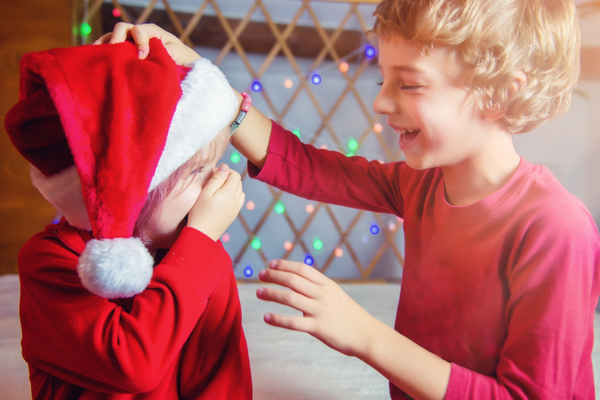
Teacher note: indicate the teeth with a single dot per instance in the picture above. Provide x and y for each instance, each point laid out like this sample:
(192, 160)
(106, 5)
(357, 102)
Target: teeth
(409, 131)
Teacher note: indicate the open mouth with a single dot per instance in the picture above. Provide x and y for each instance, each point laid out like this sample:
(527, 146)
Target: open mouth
(407, 136)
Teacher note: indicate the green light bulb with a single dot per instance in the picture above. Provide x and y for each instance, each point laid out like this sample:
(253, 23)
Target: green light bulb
(256, 243)
(279, 208)
(350, 154)
(317, 244)
(296, 132)
(235, 158)
(86, 29)
(352, 144)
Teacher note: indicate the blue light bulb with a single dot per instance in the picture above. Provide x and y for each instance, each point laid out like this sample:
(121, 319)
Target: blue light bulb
(369, 51)
(248, 271)
(374, 229)
(316, 79)
(256, 86)
(308, 260)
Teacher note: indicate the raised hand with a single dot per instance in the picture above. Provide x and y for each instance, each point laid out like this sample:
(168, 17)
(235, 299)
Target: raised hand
(219, 203)
(329, 314)
(141, 35)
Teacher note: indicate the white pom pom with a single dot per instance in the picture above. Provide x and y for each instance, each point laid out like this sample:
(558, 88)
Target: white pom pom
(115, 268)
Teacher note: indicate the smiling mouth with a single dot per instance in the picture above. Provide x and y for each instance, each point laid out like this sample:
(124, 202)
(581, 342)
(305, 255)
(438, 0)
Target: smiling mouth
(407, 136)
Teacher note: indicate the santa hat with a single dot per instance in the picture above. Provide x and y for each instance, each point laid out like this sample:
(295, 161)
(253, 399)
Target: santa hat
(101, 129)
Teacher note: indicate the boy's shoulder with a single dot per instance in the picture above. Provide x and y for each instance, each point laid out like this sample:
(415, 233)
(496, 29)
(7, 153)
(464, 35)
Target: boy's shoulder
(542, 199)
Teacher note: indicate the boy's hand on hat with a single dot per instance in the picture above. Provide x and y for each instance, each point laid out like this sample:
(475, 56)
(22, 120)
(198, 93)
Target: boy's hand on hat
(219, 203)
(141, 35)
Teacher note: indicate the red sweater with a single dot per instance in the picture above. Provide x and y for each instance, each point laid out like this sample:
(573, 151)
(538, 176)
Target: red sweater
(181, 338)
(504, 289)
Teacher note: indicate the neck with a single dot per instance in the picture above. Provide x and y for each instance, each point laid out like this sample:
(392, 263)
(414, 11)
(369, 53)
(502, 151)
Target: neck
(479, 176)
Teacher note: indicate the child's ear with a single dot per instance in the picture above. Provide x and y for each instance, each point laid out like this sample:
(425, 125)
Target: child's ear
(519, 81)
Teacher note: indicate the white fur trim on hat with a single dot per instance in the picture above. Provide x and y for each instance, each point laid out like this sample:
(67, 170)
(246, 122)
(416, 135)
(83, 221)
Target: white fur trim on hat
(207, 105)
(115, 268)
(63, 191)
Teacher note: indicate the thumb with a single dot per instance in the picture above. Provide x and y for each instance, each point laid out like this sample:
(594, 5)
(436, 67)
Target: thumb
(217, 180)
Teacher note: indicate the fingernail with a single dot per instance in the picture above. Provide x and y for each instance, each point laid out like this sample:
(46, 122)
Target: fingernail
(267, 317)
(260, 292)
(223, 167)
(262, 273)
(141, 54)
(273, 264)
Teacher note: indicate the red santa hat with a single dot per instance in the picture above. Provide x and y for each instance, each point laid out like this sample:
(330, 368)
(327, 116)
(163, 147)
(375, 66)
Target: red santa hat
(101, 129)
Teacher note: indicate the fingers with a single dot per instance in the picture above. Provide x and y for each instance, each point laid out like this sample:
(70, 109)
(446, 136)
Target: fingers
(141, 36)
(287, 298)
(297, 283)
(217, 180)
(120, 32)
(300, 269)
(103, 39)
(301, 324)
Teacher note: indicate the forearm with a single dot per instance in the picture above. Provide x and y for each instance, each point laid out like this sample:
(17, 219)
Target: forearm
(418, 372)
(252, 137)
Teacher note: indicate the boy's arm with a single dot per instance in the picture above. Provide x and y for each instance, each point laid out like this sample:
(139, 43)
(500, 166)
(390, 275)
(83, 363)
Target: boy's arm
(251, 138)
(297, 168)
(331, 316)
(553, 287)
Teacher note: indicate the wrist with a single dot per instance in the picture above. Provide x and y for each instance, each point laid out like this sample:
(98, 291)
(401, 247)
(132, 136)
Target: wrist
(244, 109)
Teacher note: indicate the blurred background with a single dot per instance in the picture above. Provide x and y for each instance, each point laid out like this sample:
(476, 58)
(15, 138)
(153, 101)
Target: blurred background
(310, 65)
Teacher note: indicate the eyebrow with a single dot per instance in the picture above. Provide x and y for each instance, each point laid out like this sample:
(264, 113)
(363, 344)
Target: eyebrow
(405, 68)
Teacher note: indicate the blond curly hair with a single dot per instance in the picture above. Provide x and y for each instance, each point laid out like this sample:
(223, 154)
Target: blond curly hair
(492, 39)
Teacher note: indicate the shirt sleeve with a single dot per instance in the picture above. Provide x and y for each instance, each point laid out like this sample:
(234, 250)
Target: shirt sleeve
(95, 343)
(554, 287)
(329, 176)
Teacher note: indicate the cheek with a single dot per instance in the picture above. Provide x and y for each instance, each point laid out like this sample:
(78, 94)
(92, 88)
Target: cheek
(188, 198)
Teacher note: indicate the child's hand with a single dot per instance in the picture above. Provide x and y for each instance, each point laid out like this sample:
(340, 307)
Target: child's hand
(330, 314)
(141, 34)
(219, 203)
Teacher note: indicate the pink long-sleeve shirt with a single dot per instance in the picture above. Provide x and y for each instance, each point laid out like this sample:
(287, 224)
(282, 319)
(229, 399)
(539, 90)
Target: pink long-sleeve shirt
(504, 289)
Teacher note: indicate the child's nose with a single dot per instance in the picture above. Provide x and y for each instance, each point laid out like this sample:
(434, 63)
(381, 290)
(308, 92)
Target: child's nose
(385, 102)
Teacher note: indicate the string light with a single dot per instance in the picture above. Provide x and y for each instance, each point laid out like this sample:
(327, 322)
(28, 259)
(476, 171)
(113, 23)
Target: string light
(256, 243)
(86, 29)
(310, 208)
(352, 144)
(116, 12)
(318, 244)
(344, 67)
(377, 128)
(256, 86)
(369, 51)
(338, 252)
(235, 157)
(308, 260)
(324, 146)
(279, 208)
(248, 271)
(296, 132)
(225, 237)
(374, 229)
(288, 83)
(365, 239)
(287, 245)
(250, 205)
(316, 79)
(392, 226)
